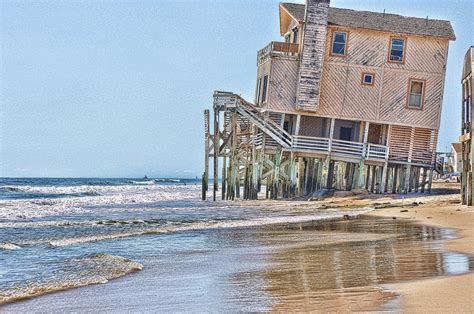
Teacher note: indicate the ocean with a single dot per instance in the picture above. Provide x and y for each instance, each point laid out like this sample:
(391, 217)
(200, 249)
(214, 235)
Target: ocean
(160, 238)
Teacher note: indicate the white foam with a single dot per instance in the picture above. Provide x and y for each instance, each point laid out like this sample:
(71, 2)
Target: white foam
(95, 269)
(9, 246)
(117, 196)
(203, 225)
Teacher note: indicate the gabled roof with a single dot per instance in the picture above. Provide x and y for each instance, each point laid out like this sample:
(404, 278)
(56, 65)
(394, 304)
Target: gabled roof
(378, 21)
(457, 147)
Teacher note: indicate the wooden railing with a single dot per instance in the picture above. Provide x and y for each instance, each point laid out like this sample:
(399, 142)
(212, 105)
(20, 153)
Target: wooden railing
(276, 48)
(340, 147)
(375, 151)
(347, 148)
(311, 143)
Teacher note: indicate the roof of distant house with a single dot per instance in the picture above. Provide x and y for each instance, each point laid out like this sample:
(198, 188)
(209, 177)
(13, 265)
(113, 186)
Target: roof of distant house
(457, 147)
(379, 21)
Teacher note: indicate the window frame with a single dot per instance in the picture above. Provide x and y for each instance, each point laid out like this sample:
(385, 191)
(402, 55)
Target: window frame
(407, 105)
(295, 34)
(257, 96)
(264, 88)
(405, 41)
(346, 44)
(363, 77)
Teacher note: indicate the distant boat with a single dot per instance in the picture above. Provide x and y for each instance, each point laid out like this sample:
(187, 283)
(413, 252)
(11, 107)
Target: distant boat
(145, 177)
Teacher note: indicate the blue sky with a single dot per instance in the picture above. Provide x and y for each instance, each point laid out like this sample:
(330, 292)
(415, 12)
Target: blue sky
(117, 88)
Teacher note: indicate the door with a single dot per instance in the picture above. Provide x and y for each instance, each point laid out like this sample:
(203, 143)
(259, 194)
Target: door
(345, 134)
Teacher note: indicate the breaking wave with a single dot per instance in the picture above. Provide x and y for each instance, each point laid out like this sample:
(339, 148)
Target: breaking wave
(9, 246)
(93, 269)
(133, 228)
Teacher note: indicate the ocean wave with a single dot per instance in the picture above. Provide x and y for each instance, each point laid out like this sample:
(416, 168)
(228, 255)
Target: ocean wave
(9, 246)
(168, 180)
(74, 223)
(84, 198)
(145, 182)
(93, 269)
(10, 189)
(174, 227)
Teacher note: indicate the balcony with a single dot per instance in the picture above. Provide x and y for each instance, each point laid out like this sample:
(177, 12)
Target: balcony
(275, 48)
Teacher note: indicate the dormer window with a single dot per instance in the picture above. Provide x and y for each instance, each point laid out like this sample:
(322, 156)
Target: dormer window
(339, 44)
(397, 50)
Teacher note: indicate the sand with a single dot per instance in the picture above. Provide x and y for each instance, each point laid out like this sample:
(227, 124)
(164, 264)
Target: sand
(440, 295)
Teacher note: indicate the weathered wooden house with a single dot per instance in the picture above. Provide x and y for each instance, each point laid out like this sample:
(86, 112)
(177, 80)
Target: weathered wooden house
(467, 184)
(348, 100)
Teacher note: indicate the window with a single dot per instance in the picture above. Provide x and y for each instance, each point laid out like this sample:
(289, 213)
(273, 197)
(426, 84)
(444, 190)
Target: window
(257, 94)
(339, 40)
(295, 35)
(368, 78)
(397, 50)
(264, 89)
(416, 91)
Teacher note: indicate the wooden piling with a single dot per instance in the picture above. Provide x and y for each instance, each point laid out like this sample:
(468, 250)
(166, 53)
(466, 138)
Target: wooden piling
(216, 153)
(205, 176)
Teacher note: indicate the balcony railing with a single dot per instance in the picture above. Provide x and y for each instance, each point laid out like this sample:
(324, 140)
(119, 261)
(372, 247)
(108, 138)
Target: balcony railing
(336, 147)
(276, 48)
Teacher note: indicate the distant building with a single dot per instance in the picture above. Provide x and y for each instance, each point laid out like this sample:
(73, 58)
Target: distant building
(456, 157)
(467, 186)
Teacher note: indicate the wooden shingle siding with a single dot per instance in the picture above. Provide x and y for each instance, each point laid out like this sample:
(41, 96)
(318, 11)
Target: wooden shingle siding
(367, 48)
(342, 95)
(394, 99)
(399, 142)
(312, 55)
(262, 70)
(423, 55)
(312, 126)
(282, 89)
(416, 145)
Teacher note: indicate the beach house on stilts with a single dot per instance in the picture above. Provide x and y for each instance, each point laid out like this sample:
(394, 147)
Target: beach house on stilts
(347, 100)
(467, 186)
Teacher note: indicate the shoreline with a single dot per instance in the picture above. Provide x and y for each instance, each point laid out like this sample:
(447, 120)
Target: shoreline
(438, 294)
(440, 210)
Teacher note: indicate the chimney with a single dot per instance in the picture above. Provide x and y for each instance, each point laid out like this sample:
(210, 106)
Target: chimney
(312, 55)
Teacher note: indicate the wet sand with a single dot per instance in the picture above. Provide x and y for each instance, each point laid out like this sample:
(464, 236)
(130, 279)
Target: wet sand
(440, 295)
(340, 266)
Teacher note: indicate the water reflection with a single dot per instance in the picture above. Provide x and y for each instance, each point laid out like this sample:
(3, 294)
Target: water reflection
(326, 266)
(346, 273)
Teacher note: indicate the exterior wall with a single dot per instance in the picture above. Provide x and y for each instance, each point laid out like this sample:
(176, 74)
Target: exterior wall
(312, 126)
(343, 96)
(410, 144)
(262, 70)
(283, 73)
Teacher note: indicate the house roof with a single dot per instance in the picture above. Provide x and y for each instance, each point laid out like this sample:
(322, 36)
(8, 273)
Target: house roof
(457, 147)
(378, 21)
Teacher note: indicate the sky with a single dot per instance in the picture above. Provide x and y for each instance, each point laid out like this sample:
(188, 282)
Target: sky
(117, 88)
